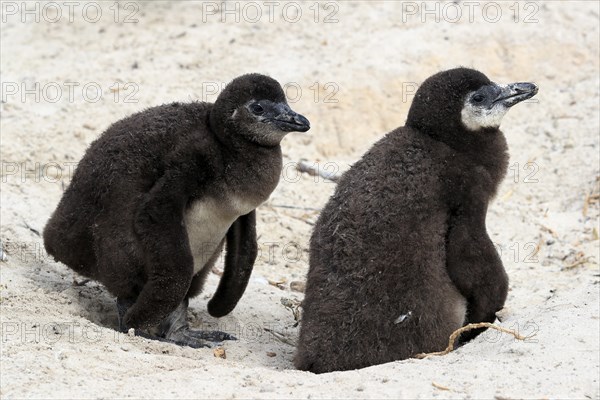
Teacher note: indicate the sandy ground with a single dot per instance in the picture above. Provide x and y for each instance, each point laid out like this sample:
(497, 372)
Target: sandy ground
(352, 69)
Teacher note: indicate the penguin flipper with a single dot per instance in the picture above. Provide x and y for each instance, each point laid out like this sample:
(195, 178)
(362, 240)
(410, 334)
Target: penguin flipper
(475, 268)
(169, 264)
(239, 260)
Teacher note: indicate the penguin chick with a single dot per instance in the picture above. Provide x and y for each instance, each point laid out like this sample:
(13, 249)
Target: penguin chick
(158, 194)
(400, 256)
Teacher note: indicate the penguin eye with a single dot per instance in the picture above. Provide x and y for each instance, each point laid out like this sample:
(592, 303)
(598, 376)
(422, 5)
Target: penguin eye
(256, 109)
(478, 98)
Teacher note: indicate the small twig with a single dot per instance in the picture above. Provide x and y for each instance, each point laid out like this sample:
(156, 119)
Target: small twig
(304, 166)
(466, 328)
(589, 199)
(294, 306)
(538, 247)
(550, 231)
(295, 207)
(280, 284)
(578, 262)
(30, 228)
(507, 195)
(301, 219)
(281, 337)
(567, 117)
(438, 386)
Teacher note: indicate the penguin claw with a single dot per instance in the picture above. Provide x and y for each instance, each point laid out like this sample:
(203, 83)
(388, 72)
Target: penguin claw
(189, 338)
(174, 329)
(198, 339)
(211, 336)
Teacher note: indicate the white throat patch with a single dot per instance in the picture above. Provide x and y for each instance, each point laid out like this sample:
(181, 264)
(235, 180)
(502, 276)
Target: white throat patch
(475, 118)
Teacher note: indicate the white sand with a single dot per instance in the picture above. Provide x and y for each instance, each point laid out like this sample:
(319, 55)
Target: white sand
(58, 339)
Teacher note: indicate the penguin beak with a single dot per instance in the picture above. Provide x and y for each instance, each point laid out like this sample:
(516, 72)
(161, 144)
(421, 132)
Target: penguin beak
(288, 120)
(515, 93)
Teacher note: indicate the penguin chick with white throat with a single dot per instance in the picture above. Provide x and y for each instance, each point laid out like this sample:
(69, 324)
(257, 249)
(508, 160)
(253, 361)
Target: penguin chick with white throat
(400, 256)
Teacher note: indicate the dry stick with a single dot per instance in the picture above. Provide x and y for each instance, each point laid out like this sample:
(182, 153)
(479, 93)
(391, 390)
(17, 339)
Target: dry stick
(281, 337)
(278, 284)
(466, 328)
(589, 198)
(35, 231)
(300, 219)
(507, 195)
(550, 231)
(304, 166)
(579, 262)
(294, 306)
(295, 207)
(537, 249)
(438, 386)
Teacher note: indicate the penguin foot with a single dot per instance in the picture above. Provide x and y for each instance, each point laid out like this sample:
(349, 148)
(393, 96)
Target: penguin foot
(185, 336)
(211, 336)
(174, 328)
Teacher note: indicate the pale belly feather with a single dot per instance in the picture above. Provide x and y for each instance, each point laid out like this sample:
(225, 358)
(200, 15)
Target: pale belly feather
(207, 222)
